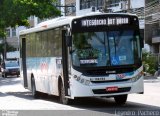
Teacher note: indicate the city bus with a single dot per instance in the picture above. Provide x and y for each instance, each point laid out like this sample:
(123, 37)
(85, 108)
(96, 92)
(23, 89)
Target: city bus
(96, 55)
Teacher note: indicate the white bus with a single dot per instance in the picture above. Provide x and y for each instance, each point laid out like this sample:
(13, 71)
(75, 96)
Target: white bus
(96, 55)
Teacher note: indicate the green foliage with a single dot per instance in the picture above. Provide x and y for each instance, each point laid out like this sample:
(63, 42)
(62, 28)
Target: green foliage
(16, 12)
(150, 62)
(2, 33)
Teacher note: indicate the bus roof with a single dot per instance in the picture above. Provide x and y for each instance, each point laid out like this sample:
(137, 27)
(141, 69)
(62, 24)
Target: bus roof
(56, 22)
(62, 21)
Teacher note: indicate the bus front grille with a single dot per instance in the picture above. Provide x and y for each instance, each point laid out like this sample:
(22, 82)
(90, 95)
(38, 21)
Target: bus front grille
(110, 81)
(104, 72)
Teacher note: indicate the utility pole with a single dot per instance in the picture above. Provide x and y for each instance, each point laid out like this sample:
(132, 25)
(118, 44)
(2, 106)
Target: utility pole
(5, 48)
(106, 3)
(129, 4)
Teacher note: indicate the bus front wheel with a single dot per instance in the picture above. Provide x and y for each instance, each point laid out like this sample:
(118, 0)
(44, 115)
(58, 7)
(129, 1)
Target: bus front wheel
(120, 99)
(63, 99)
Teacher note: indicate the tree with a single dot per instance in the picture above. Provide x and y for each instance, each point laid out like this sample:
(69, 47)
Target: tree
(150, 62)
(16, 12)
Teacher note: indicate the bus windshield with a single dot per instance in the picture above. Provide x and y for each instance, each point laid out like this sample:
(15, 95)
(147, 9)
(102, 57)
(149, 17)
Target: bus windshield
(111, 48)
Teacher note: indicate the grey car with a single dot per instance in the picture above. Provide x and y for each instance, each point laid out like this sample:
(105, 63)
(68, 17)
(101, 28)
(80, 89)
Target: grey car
(10, 68)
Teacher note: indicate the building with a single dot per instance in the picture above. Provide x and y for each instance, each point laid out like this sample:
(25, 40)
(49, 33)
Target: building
(12, 36)
(130, 6)
(86, 6)
(70, 7)
(152, 25)
(81, 7)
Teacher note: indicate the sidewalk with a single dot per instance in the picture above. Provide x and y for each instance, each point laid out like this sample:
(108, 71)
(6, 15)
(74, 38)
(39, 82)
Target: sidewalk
(151, 79)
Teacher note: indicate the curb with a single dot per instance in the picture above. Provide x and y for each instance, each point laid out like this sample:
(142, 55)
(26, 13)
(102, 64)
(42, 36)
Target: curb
(149, 77)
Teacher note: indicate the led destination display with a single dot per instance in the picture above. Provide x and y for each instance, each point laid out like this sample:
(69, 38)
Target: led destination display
(104, 22)
(108, 21)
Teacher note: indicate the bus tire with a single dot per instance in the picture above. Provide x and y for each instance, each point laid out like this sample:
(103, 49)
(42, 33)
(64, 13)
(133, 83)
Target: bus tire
(62, 98)
(35, 93)
(120, 99)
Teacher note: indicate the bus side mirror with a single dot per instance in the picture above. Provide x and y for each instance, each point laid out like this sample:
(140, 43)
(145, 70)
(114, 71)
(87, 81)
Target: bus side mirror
(69, 41)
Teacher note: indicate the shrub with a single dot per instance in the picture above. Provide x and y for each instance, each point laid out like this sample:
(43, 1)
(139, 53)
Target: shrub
(150, 62)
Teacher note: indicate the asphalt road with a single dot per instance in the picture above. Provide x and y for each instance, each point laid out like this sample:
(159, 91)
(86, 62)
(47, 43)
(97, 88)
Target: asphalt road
(13, 97)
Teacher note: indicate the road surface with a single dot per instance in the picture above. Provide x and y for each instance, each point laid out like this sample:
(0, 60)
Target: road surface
(14, 97)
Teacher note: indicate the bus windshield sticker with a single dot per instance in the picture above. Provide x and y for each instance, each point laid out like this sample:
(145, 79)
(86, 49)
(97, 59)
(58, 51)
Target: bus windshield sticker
(114, 60)
(89, 61)
(122, 58)
(58, 61)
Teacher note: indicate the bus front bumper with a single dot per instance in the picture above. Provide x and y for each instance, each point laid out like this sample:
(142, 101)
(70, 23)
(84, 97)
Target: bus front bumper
(100, 89)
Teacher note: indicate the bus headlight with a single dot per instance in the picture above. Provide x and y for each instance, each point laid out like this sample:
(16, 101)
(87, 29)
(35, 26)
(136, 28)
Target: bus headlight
(77, 77)
(87, 82)
(81, 80)
(138, 76)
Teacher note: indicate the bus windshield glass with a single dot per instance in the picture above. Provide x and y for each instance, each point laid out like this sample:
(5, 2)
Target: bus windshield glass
(110, 48)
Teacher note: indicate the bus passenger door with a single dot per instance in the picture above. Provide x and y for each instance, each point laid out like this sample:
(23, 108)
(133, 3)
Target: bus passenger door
(23, 62)
(65, 63)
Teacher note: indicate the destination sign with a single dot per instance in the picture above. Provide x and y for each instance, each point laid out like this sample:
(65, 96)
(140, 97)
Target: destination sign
(103, 22)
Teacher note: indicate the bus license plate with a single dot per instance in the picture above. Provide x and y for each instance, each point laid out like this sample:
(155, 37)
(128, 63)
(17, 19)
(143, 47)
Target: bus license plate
(112, 89)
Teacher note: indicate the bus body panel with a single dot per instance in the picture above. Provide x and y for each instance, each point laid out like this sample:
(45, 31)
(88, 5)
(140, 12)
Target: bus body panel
(46, 72)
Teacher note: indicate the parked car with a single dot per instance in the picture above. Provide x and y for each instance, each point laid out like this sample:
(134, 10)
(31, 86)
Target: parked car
(10, 68)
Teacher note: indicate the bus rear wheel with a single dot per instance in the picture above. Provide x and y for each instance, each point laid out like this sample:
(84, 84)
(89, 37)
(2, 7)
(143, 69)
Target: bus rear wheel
(35, 93)
(63, 99)
(120, 99)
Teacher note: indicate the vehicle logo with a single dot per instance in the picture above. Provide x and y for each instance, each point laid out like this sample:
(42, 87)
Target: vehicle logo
(44, 66)
(120, 76)
(108, 72)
